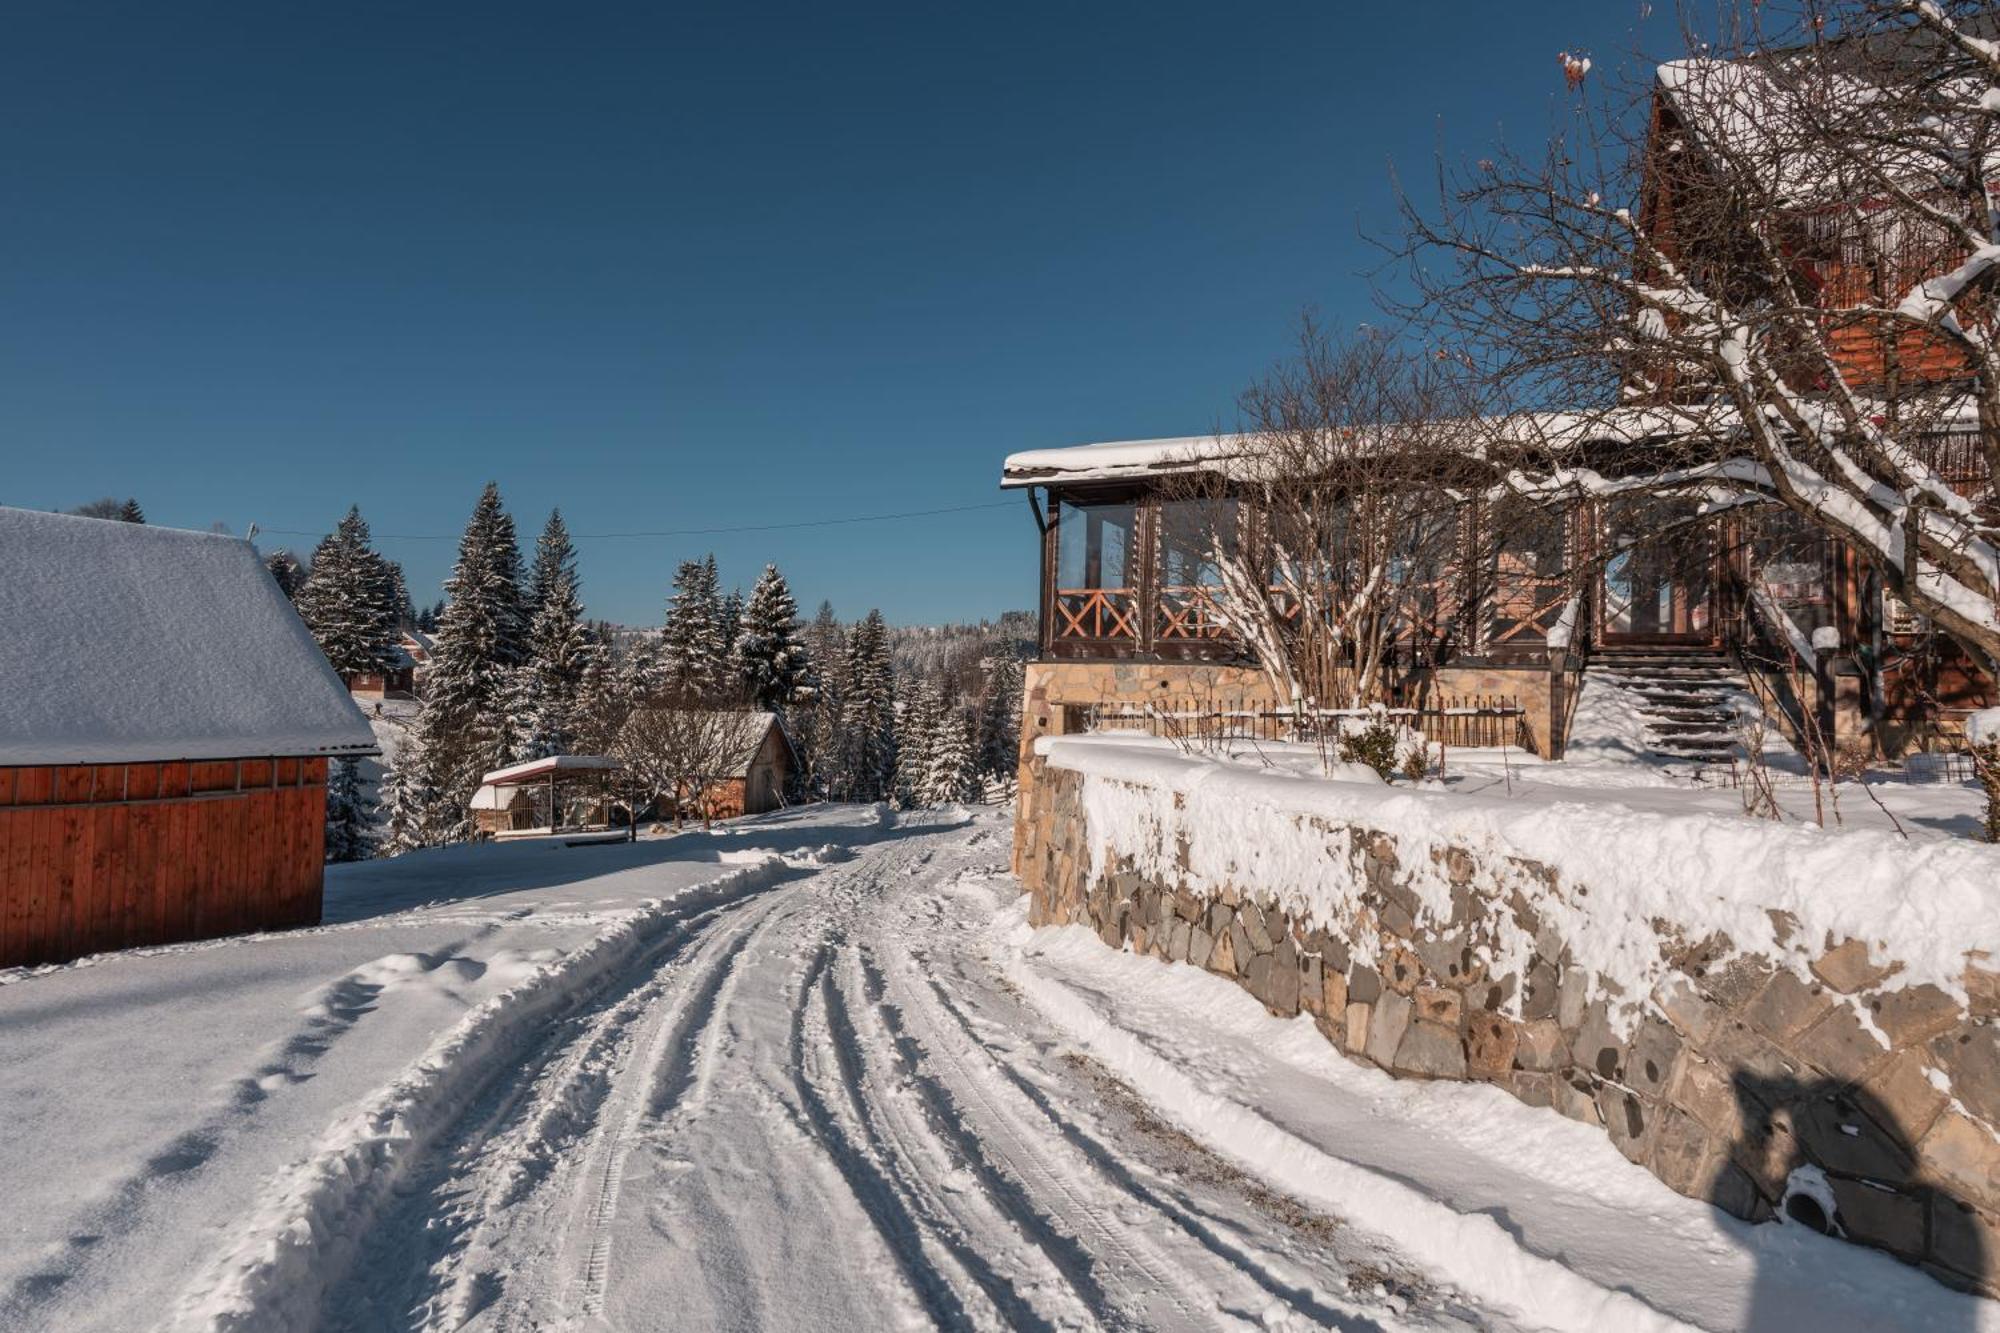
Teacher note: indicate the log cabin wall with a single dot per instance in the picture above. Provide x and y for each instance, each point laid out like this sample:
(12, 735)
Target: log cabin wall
(111, 856)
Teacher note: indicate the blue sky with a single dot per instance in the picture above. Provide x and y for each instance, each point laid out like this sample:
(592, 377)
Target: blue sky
(675, 270)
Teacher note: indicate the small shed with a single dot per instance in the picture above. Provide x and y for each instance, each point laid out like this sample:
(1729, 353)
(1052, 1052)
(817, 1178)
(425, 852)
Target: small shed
(755, 781)
(166, 722)
(563, 791)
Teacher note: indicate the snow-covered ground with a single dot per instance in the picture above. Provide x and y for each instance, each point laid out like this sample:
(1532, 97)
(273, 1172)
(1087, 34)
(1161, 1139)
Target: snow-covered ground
(809, 1071)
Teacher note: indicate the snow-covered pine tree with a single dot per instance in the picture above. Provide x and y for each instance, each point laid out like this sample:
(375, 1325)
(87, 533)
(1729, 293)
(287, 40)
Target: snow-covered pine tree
(776, 668)
(559, 647)
(815, 723)
(692, 641)
(348, 601)
(399, 595)
(286, 572)
(917, 724)
(350, 814)
(465, 728)
(730, 618)
(868, 743)
(1000, 719)
(951, 777)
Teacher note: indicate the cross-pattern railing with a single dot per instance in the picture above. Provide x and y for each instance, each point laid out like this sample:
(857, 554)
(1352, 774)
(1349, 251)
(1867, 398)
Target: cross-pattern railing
(1097, 613)
(1191, 612)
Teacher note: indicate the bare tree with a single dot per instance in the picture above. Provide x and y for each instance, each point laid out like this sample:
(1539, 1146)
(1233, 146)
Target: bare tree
(1324, 535)
(1769, 276)
(681, 755)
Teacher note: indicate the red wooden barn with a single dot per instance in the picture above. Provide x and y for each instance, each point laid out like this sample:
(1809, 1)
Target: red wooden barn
(165, 727)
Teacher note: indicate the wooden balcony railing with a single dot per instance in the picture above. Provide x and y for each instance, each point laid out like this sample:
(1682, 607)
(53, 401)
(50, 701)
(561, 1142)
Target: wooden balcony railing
(1190, 613)
(1097, 613)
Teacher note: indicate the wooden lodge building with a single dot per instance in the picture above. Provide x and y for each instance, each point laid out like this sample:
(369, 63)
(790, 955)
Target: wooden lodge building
(1522, 609)
(166, 722)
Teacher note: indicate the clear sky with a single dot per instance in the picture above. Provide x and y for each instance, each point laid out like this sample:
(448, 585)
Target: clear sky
(669, 270)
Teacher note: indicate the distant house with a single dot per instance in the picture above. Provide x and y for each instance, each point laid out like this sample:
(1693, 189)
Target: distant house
(412, 654)
(755, 780)
(166, 721)
(563, 791)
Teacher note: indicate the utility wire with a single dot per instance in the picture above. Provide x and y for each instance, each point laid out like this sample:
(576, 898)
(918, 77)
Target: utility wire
(680, 532)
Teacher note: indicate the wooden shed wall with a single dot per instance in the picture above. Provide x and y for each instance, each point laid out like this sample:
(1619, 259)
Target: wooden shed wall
(109, 856)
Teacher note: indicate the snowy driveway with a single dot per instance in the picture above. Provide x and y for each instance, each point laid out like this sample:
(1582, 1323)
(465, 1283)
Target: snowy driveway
(808, 1072)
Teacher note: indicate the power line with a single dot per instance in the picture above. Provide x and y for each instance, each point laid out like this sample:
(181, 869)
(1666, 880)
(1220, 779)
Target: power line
(682, 532)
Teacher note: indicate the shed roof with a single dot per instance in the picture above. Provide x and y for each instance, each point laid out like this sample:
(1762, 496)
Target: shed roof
(125, 642)
(530, 769)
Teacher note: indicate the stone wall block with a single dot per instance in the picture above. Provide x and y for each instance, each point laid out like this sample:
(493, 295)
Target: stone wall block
(1401, 971)
(1333, 992)
(1786, 1006)
(1692, 1013)
(1909, 1101)
(1876, 1215)
(1969, 1055)
(1596, 1046)
(1436, 1004)
(1255, 927)
(1538, 997)
(1241, 951)
(1840, 1046)
(1572, 997)
(1201, 946)
(1629, 1119)
(1364, 984)
(1312, 984)
(1982, 987)
(1705, 1091)
(1360, 1020)
(1541, 1046)
(1846, 968)
(1736, 982)
(1491, 1041)
(1222, 958)
(1431, 1050)
(1576, 1097)
(1838, 1134)
(1914, 1014)
(1178, 935)
(1963, 1240)
(1961, 1154)
(1652, 1059)
(1682, 1156)
(1534, 1089)
(1386, 1028)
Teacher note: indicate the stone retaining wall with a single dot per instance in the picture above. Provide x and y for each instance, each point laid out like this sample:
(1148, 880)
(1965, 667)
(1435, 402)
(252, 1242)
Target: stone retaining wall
(1739, 1072)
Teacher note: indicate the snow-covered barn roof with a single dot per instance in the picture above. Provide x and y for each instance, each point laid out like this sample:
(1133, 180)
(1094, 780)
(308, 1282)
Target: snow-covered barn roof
(125, 642)
(754, 727)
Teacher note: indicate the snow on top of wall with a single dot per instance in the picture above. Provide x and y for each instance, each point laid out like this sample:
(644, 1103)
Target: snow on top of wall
(1926, 905)
(126, 642)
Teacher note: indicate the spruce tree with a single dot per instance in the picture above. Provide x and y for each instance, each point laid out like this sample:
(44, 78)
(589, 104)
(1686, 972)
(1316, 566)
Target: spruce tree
(286, 572)
(951, 777)
(692, 641)
(917, 723)
(771, 657)
(350, 814)
(466, 727)
(729, 617)
(348, 601)
(999, 738)
(129, 512)
(559, 647)
(869, 717)
(816, 724)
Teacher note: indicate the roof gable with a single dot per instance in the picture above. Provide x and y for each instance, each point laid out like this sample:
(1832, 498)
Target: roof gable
(125, 642)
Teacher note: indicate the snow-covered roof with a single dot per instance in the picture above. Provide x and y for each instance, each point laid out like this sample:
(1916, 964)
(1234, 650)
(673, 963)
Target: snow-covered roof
(1126, 460)
(753, 727)
(556, 763)
(490, 797)
(126, 642)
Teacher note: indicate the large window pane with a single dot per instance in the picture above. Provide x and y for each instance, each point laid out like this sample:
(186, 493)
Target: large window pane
(1189, 534)
(1096, 593)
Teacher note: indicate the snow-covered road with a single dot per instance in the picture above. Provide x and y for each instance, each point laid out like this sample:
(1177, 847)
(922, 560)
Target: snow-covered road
(811, 1071)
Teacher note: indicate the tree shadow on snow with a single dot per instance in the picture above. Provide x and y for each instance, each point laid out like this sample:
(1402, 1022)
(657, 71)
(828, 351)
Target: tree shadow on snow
(470, 872)
(1833, 1158)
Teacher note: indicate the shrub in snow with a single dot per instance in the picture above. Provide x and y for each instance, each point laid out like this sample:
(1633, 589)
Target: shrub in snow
(1380, 743)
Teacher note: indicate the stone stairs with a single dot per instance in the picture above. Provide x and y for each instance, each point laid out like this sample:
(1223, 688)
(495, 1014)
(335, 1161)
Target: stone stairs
(1689, 698)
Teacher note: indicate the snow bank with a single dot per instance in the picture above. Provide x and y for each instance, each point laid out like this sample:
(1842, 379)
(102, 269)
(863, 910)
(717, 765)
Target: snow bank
(1626, 881)
(295, 1247)
(1471, 1249)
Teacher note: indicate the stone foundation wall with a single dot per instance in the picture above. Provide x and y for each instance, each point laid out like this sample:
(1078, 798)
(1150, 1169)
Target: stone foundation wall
(1739, 1071)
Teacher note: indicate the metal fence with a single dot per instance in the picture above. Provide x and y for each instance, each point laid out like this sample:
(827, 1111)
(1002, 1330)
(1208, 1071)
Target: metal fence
(1458, 722)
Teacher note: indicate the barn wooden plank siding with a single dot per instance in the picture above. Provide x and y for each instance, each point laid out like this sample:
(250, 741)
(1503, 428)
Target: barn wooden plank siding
(112, 856)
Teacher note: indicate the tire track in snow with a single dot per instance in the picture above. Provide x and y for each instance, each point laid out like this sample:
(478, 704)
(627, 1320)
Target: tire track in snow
(300, 1244)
